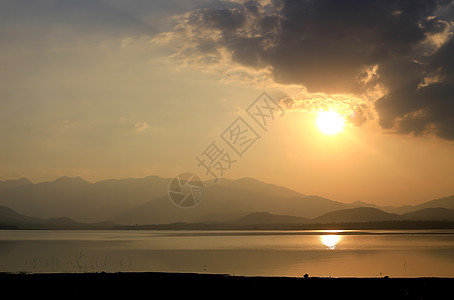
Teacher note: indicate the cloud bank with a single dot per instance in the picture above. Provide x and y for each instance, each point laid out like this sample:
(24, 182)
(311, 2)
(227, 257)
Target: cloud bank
(397, 54)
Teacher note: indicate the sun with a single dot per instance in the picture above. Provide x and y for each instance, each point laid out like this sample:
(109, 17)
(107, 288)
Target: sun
(330, 122)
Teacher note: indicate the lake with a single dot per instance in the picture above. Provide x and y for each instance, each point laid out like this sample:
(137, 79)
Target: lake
(345, 253)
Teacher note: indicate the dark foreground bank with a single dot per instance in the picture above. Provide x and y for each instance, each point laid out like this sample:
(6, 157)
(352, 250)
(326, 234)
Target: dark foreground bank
(169, 285)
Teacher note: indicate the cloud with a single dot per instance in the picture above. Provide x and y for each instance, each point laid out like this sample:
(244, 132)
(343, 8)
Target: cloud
(401, 48)
(420, 108)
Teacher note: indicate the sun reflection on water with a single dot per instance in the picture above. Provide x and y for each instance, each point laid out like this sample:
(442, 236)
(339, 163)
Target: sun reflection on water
(330, 240)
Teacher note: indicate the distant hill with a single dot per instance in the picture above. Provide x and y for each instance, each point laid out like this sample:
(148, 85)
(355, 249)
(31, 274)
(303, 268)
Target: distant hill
(146, 201)
(354, 215)
(362, 204)
(230, 198)
(218, 217)
(251, 184)
(9, 218)
(445, 202)
(356, 218)
(267, 218)
(370, 214)
(360, 214)
(266, 221)
(81, 200)
(432, 213)
(6, 184)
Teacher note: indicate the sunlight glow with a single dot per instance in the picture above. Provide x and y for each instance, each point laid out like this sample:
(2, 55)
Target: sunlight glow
(330, 122)
(330, 240)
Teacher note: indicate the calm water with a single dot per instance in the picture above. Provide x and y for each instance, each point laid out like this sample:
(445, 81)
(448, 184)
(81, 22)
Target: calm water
(404, 253)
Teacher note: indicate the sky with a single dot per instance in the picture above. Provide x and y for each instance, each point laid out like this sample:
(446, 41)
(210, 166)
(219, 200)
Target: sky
(115, 89)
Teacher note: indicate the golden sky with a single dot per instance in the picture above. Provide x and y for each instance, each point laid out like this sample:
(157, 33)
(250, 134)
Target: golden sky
(116, 89)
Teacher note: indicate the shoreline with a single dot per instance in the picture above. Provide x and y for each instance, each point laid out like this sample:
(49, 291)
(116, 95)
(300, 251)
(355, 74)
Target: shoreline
(189, 275)
(188, 283)
(195, 275)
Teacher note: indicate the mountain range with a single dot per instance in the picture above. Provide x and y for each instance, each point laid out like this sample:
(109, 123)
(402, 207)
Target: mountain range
(145, 201)
(353, 218)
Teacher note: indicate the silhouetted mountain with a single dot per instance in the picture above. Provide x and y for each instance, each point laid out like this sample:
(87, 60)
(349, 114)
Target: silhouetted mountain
(388, 209)
(218, 217)
(362, 204)
(266, 218)
(9, 218)
(231, 197)
(81, 200)
(369, 218)
(354, 215)
(251, 184)
(397, 209)
(146, 201)
(6, 184)
(266, 221)
(360, 214)
(445, 202)
(437, 213)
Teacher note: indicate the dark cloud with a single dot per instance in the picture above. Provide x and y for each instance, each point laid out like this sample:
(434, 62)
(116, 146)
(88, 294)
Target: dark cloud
(414, 108)
(328, 46)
